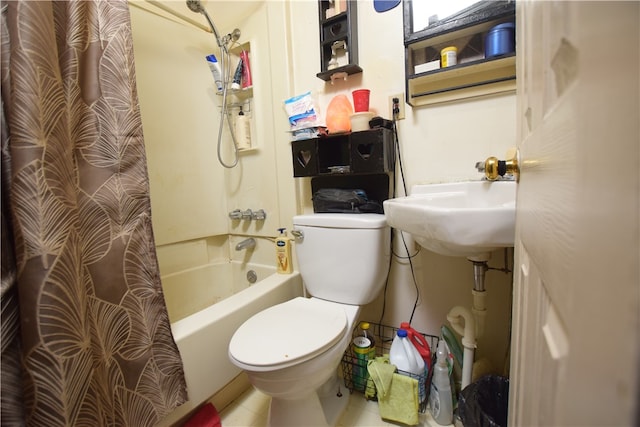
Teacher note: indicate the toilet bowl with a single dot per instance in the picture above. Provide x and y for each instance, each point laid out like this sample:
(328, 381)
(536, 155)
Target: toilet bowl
(291, 359)
(291, 351)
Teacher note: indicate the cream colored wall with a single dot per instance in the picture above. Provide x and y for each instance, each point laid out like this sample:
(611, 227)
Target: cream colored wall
(191, 193)
(179, 115)
(262, 178)
(439, 143)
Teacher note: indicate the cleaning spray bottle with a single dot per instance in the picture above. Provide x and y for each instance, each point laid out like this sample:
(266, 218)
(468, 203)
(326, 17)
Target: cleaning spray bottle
(440, 399)
(283, 253)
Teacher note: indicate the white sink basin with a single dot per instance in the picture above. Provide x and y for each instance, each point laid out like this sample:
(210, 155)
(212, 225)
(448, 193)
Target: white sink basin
(468, 219)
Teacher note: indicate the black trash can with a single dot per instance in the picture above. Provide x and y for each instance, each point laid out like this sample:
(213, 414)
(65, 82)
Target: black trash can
(485, 403)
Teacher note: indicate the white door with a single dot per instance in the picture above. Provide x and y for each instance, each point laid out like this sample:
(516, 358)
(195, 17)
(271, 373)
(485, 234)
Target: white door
(576, 334)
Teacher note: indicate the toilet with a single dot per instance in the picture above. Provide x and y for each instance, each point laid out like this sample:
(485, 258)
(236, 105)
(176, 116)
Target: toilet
(291, 351)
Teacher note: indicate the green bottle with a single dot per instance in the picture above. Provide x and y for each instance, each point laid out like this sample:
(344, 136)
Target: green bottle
(364, 349)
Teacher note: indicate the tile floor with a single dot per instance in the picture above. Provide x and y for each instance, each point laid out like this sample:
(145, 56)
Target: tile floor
(252, 407)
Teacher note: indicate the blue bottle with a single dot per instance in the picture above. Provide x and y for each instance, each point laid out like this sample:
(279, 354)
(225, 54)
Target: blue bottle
(214, 66)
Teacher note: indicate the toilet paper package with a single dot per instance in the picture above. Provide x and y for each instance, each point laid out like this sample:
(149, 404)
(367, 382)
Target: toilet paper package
(302, 112)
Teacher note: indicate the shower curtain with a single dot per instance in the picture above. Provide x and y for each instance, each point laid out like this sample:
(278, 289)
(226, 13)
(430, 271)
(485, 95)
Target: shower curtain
(86, 339)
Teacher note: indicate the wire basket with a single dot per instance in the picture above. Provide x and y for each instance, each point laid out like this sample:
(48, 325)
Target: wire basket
(355, 374)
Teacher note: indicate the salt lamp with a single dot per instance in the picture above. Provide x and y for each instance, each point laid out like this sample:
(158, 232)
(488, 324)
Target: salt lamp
(338, 113)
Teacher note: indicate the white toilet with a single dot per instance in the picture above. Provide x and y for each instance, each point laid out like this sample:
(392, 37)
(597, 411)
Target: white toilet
(291, 351)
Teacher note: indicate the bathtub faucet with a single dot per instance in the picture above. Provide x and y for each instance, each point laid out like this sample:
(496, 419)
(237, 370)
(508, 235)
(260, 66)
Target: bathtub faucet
(246, 244)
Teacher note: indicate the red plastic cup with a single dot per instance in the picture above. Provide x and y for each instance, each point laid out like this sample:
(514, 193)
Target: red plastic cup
(360, 100)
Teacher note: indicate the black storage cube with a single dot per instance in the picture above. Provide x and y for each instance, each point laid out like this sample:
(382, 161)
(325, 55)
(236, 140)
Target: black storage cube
(372, 151)
(334, 154)
(305, 157)
(364, 152)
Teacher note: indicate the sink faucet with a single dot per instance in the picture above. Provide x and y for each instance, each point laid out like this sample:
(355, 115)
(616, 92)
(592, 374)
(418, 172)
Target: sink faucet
(246, 244)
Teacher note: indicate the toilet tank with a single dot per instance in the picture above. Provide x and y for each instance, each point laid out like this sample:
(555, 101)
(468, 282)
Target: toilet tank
(343, 257)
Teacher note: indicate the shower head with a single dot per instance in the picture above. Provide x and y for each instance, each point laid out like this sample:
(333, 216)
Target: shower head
(235, 35)
(196, 6)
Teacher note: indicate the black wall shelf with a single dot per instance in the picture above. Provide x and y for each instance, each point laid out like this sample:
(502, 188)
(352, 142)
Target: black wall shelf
(474, 75)
(366, 152)
(340, 27)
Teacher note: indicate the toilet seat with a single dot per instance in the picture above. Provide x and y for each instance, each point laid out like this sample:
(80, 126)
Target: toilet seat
(293, 331)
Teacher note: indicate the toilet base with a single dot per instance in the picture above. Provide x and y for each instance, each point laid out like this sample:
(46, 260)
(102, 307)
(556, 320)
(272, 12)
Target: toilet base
(321, 408)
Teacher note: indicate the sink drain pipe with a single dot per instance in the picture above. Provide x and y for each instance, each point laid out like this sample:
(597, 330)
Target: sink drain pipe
(462, 321)
(479, 307)
(470, 323)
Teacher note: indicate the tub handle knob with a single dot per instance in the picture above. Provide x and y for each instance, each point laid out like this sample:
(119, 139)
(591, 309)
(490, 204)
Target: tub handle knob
(259, 215)
(235, 214)
(298, 235)
(247, 214)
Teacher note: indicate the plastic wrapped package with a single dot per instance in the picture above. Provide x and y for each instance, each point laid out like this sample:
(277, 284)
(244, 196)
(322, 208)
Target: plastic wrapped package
(336, 200)
(302, 112)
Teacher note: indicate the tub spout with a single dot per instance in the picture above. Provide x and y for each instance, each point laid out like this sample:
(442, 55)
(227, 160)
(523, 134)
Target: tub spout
(246, 244)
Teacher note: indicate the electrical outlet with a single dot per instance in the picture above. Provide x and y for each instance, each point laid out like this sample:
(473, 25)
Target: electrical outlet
(400, 97)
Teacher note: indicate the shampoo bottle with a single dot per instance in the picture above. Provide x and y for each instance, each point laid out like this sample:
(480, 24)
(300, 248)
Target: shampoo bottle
(440, 399)
(243, 131)
(246, 70)
(283, 253)
(215, 70)
(237, 77)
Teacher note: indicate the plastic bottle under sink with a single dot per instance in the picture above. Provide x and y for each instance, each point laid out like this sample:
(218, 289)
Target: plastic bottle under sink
(419, 342)
(440, 398)
(407, 359)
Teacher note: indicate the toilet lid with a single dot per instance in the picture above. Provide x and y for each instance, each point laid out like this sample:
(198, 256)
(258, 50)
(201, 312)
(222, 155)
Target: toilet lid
(294, 330)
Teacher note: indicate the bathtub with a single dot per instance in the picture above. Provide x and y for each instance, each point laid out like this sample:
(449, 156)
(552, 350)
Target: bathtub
(206, 305)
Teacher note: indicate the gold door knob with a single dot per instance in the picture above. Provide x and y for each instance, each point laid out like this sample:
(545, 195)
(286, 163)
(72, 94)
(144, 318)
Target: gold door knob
(494, 168)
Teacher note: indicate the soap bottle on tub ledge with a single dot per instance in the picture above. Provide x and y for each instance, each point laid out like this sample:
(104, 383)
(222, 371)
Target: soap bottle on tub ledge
(283, 253)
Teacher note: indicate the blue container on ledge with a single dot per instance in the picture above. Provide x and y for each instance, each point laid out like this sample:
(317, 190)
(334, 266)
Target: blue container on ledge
(500, 40)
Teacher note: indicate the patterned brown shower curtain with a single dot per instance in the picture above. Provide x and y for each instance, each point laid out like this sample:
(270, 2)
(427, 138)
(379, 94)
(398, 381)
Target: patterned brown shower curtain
(86, 339)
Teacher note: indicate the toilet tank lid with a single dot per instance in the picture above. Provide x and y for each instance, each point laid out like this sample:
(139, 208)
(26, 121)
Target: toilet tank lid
(341, 220)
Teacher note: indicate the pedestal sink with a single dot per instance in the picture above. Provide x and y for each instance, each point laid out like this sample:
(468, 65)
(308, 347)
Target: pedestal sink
(467, 219)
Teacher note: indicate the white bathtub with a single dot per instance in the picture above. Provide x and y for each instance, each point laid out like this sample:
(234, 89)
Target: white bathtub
(206, 305)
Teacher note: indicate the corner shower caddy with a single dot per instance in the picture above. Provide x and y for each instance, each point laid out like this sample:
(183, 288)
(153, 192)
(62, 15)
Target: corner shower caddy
(241, 97)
